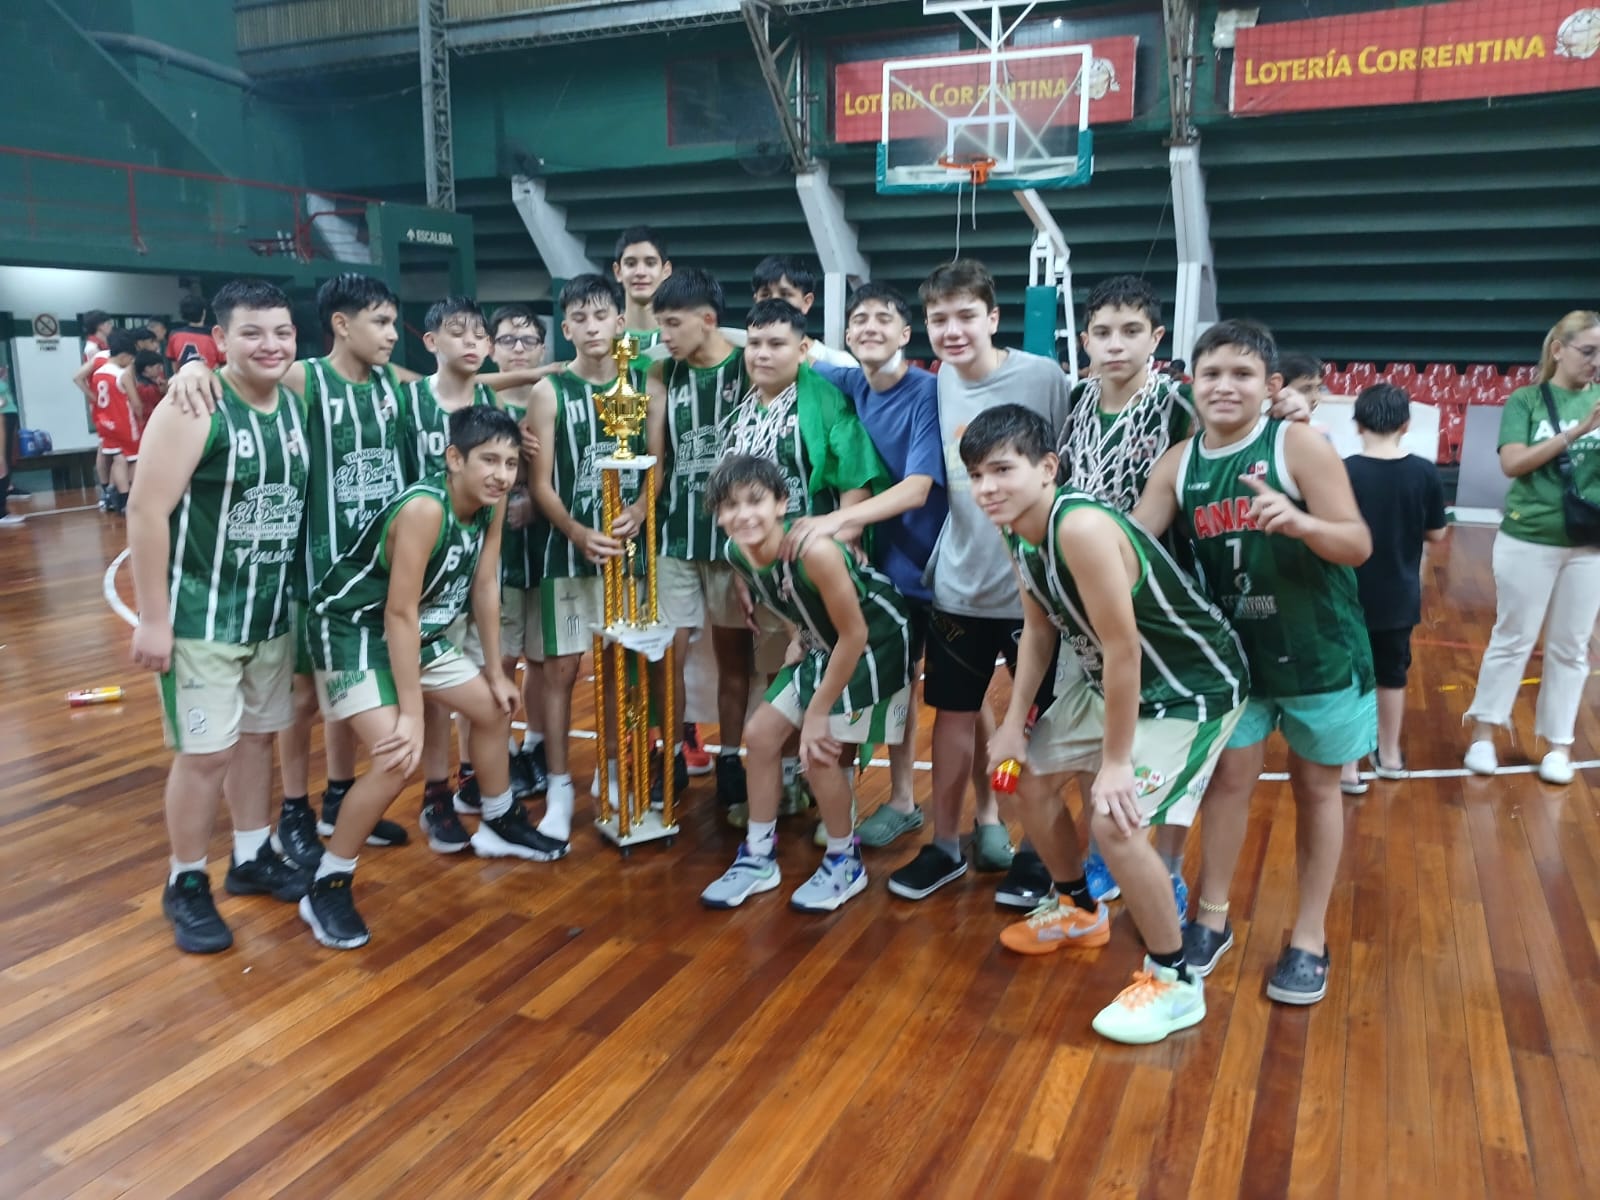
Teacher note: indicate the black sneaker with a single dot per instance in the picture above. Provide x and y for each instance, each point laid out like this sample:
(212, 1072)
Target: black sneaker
(680, 779)
(197, 927)
(527, 773)
(510, 836)
(297, 834)
(925, 874)
(1202, 947)
(1026, 884)
(730, 781)
(1301, 977)
(468, 800)
(384, 833)
(330, 909)
(18, 494)
(440, 825)
(267, 874)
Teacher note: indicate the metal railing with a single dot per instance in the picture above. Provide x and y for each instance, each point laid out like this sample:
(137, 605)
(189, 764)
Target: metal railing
(51, 197)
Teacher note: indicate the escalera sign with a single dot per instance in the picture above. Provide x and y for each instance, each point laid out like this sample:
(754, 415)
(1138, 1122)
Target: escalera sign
(1470, 50)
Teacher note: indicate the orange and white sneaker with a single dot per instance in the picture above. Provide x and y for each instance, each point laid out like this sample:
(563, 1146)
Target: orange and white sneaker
(1054, 925)
(695, 756)
(1155, 1004)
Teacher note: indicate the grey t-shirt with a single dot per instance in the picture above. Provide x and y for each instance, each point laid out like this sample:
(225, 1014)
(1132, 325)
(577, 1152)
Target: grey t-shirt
(972, 573)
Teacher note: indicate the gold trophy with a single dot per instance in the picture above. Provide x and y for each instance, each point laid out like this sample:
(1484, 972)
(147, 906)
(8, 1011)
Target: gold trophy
(630, 640)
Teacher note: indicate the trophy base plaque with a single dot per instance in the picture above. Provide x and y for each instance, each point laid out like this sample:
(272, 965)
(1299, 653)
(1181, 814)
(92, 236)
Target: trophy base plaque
(648, 827)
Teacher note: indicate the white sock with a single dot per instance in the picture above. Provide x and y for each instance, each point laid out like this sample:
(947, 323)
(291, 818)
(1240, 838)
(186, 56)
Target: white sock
(530, 739)
(762, 837)
(511, 744)
(844, 845)
(332, 864)
(612, 780)
(178, 868)
(247, 843)
(791, 770)
(557, 820)
(495, 807)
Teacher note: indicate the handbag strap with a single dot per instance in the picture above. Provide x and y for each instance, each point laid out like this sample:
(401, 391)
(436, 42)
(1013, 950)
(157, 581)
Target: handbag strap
(1563, 461)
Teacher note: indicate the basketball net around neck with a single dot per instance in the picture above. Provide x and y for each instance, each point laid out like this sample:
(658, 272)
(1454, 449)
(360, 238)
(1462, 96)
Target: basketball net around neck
(757, 430)
(1112, 464)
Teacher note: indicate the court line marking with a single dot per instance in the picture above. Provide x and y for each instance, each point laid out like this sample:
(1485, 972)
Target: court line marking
(127, 614)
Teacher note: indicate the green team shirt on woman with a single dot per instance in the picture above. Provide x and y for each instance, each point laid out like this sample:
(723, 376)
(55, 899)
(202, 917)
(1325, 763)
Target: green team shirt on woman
(357, 434)
(1298, 615)
(236, 532)
(1533, 505)
(1191, 663)
(885, 665)
(699, 400)
(579, 443)
(428, 428)
(345, 621)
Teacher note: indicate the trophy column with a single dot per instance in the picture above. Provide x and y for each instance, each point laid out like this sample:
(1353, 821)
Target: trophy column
(631, 638)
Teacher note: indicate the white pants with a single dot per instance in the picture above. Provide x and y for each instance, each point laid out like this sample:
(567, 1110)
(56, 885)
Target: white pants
(1554, 586)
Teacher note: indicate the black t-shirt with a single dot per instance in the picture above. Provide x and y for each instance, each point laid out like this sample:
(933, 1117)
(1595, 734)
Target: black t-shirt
(1400, 500)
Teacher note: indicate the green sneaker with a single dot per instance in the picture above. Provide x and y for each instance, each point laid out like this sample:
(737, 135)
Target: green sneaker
(796, 797)
(738, 815)
(885, 824)
(991, 848)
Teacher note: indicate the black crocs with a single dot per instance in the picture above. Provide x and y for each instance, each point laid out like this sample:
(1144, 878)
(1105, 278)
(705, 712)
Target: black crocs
(1301, 977)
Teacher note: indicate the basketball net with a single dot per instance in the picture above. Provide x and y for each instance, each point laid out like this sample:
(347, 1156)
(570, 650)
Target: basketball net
(976, 168)
(1113, 464)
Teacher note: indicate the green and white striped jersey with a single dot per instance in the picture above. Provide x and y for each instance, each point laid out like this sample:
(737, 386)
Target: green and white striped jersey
(885, 665)
(579, 443)
(428, 427)
(1191, 664)
(357, 434)
(699, 400)
(235, 535)
(522, 550)
(345, 616)
(1298, 615)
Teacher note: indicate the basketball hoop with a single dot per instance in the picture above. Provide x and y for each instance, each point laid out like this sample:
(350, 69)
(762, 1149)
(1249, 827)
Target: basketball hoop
(976, 166)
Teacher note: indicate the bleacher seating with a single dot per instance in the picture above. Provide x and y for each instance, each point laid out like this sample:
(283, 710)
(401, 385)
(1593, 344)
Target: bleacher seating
(1449, 388)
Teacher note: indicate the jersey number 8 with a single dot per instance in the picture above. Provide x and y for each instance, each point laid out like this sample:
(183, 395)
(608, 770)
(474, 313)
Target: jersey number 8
(244, 444)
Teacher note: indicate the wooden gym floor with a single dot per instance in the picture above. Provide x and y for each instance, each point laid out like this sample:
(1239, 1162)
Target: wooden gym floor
(587, 1029)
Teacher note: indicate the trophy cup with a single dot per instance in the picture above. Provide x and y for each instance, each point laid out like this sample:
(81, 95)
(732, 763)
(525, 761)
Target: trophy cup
(630, 640)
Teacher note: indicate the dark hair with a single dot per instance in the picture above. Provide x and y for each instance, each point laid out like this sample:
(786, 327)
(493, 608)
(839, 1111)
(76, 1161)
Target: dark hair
(121, 341)
(351, 294)
(451, 306)
(590, 289)
(1382, 408)
(1248, 336)
(1177, 366)
(775, 312)
(635, 235)
(1124, 291)
(964, 277)
(688, 288)
(93, 319)
(255, 295)
(744, 470)
(144, 359)
(1295, 364)
(143, 333)
(775, 268)
(192, 309)
(476, 424)
(157, 319)
(517, 314)
(1006, 427)
(884, 294)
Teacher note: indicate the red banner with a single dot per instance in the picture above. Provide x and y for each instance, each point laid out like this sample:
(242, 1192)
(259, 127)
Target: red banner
(1043, 91)
(1461, 51)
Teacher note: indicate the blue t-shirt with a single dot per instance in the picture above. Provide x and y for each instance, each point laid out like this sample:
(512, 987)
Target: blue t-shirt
(903, 424)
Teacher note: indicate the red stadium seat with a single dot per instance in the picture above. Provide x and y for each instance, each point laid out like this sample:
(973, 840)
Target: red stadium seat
(1361, 375)
(1522, 376)
(1452, 429)
(1402, 375)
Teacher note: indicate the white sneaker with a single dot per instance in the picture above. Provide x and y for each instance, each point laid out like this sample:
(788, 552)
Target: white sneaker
(1155, 1004)
(12, 519)
(1481, 759)
(1556, 767)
